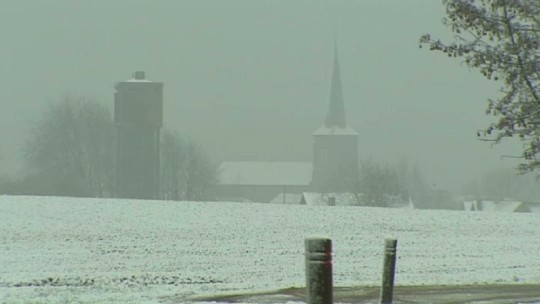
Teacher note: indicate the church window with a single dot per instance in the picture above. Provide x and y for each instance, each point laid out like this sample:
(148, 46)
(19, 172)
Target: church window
(323, 158)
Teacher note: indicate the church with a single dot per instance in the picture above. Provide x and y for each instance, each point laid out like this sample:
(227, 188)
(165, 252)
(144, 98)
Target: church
(334, 167)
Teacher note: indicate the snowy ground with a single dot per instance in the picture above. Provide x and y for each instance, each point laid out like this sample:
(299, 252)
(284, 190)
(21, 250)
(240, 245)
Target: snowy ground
(65, 250)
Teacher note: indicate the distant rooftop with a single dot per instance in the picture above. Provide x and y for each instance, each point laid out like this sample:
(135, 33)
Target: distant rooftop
(323, 199)
(495, 206)
(138, 80)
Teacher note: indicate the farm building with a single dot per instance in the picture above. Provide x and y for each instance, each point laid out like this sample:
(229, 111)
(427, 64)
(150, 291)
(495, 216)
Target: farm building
(335, 152)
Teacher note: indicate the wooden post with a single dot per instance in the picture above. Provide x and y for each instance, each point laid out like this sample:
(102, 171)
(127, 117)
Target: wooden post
(389, 266)
(332, 201)
(318, 270)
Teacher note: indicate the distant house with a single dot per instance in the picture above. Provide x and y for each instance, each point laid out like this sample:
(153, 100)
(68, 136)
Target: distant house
(496, 206)
(335, 199)
(329, 199)
(263, 181)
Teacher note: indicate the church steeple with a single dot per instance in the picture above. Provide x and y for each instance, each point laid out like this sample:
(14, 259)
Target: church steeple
(336, 111)
(335, 146)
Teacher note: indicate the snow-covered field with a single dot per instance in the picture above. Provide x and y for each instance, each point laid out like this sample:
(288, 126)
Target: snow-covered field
(65, 250)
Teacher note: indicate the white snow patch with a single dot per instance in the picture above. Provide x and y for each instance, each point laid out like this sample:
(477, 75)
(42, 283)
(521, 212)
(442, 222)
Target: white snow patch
(63, 250)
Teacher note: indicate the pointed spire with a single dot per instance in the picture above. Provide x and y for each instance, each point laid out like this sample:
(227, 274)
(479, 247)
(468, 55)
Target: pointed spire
(336, 111)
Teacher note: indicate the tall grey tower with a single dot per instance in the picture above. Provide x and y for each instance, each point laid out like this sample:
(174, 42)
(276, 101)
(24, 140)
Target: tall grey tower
(138, 115)
(335, 147)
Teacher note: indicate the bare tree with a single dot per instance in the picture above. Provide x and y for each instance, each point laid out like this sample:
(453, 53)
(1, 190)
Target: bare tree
(501, 39)
(504, 184)
(419, 188)
(71, 151)
(186, 172)
(202, 174)
(173, 158)
(378, 182)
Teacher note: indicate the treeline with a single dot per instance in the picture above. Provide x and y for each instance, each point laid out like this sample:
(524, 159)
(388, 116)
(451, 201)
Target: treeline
(71, 151)
(385, 184)
(504, 184)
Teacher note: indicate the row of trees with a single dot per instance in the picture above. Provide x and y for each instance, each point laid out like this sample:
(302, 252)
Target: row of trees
(186, 171)
(381, 183)
(384, 184)
(503, 184)
(71, 151)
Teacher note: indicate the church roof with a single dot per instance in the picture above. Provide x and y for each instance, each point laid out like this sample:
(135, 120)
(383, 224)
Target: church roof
(266, 173)
(336, 111)
(335, 123)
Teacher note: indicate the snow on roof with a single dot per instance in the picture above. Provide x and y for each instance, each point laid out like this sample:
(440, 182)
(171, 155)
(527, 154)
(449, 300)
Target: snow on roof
(469, 205)
(494, 206)
(334, 130)
(502, 206)
(266, 173)
(407, 205)
(138, 80)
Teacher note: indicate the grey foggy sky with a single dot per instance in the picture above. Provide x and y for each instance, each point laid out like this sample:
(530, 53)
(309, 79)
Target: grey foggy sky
(249, 80)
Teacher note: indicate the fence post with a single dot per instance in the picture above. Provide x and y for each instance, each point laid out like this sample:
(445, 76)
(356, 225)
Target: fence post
(318, 270)
(332, 201)
(389, 266)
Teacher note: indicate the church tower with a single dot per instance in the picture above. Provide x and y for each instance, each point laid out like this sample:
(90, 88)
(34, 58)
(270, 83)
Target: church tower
(335, 147)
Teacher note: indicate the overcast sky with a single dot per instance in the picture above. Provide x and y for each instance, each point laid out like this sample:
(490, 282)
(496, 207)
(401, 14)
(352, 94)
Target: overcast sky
(250, 80)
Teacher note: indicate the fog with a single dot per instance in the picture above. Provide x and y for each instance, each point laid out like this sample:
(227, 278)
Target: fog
(250, 80)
